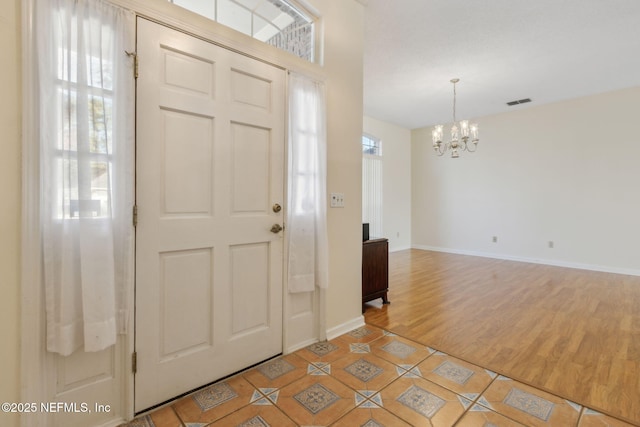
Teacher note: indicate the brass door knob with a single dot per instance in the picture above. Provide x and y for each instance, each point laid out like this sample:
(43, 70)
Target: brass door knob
(276, 228)
(277, 208)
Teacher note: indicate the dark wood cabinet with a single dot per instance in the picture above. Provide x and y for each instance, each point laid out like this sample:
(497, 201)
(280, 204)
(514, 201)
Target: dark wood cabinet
(375, 270)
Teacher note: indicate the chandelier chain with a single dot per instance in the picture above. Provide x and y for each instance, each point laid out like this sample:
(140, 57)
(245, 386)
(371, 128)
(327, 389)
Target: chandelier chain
(454, 102)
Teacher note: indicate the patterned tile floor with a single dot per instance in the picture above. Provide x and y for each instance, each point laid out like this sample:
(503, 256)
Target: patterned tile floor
(371, 378)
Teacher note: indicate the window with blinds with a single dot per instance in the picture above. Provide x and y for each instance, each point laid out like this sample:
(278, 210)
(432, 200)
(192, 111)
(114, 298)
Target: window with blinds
(372, 184)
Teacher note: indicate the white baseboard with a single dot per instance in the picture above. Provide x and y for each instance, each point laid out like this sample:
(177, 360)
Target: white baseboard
(556, 263)
(345, 327)
(300, 345)
(400, 248)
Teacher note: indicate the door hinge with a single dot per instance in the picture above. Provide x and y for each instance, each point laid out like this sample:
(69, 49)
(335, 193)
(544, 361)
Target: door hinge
(134, 55)
(135, 216)
(134, 362)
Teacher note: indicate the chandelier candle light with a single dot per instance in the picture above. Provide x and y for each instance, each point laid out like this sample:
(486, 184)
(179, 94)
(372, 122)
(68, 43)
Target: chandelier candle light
(459, 136)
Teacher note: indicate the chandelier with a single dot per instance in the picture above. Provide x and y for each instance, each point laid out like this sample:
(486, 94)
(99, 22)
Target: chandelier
(460, 136)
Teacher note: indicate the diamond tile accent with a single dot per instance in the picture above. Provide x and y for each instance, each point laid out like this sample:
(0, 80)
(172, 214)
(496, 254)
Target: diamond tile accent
(484, 402)
(263, 401)
(360, 332)
(256, 421)
(274, 397)
(464, 402)
(574, 405)
(399, 349)
(479, 408)
(255, 396)
(319, 368)
(276, 368)
(364, 370)
(421, 401)
(359, 348)
(470, 396)
(371, 398)
(322, 348)
(529, 403)
(409, 371)
(369, 405)
(316, 398)
(454, 372)
(491, 373)
(258, 397)
(214, 395)
(372, 423)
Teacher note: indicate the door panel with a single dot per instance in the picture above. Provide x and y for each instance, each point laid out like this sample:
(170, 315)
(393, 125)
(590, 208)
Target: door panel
(210, 162)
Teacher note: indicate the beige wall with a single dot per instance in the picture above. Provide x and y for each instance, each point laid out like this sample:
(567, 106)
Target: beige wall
(10, 116)
(396, 181)
(344, 38)
(565, 172)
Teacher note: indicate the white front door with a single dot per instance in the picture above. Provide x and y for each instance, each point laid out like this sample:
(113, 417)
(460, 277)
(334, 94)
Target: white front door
(210, 167)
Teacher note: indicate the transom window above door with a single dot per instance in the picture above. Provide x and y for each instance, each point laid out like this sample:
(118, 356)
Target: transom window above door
(280, 23)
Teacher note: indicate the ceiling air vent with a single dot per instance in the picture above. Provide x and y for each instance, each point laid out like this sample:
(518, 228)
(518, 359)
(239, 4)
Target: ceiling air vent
(519, 101)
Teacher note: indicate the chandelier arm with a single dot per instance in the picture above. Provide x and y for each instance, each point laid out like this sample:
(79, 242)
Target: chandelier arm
(475, 147)
(441, 149)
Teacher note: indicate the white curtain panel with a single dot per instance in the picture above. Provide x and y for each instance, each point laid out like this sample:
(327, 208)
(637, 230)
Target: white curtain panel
(307, 210)
(85, 105)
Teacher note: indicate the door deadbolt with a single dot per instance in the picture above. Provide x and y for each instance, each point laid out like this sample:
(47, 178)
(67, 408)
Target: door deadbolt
(277, 208)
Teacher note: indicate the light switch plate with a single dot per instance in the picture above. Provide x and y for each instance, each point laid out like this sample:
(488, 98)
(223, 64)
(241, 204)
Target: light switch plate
(337, 200)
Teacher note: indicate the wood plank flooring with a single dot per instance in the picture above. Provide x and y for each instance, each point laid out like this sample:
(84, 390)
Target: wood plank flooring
(574, 333)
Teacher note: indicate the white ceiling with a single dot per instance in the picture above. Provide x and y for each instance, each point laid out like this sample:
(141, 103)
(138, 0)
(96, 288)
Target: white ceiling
(501, 50)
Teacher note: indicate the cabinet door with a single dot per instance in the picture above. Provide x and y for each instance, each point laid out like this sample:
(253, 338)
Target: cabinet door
(375, 269)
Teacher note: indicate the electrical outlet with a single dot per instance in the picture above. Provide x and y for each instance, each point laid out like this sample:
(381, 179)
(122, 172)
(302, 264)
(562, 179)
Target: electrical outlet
(337, 200)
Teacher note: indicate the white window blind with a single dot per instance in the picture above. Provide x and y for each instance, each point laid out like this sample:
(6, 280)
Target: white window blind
(372, 184)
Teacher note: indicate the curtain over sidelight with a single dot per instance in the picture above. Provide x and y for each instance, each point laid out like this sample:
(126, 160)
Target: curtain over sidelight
(83, 107)
(307, 213)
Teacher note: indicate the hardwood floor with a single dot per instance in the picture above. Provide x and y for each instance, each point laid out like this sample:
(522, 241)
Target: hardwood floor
(574, 333)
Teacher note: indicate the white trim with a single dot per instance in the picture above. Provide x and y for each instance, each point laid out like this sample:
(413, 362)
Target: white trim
(299, 345)
(331, 333)
(401, 248)
(555, 263)
(33, 373)
(185, 21)
(345, 327)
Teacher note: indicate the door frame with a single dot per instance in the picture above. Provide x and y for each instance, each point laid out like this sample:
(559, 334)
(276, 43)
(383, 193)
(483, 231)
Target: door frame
(37, 372)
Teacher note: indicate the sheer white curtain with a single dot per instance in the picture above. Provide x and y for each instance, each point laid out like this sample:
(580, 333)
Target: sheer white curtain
(307, 213)
(372, 193)
(85, 104)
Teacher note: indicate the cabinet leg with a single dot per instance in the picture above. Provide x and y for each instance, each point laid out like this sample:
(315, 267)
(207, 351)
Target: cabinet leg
(385, 300)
